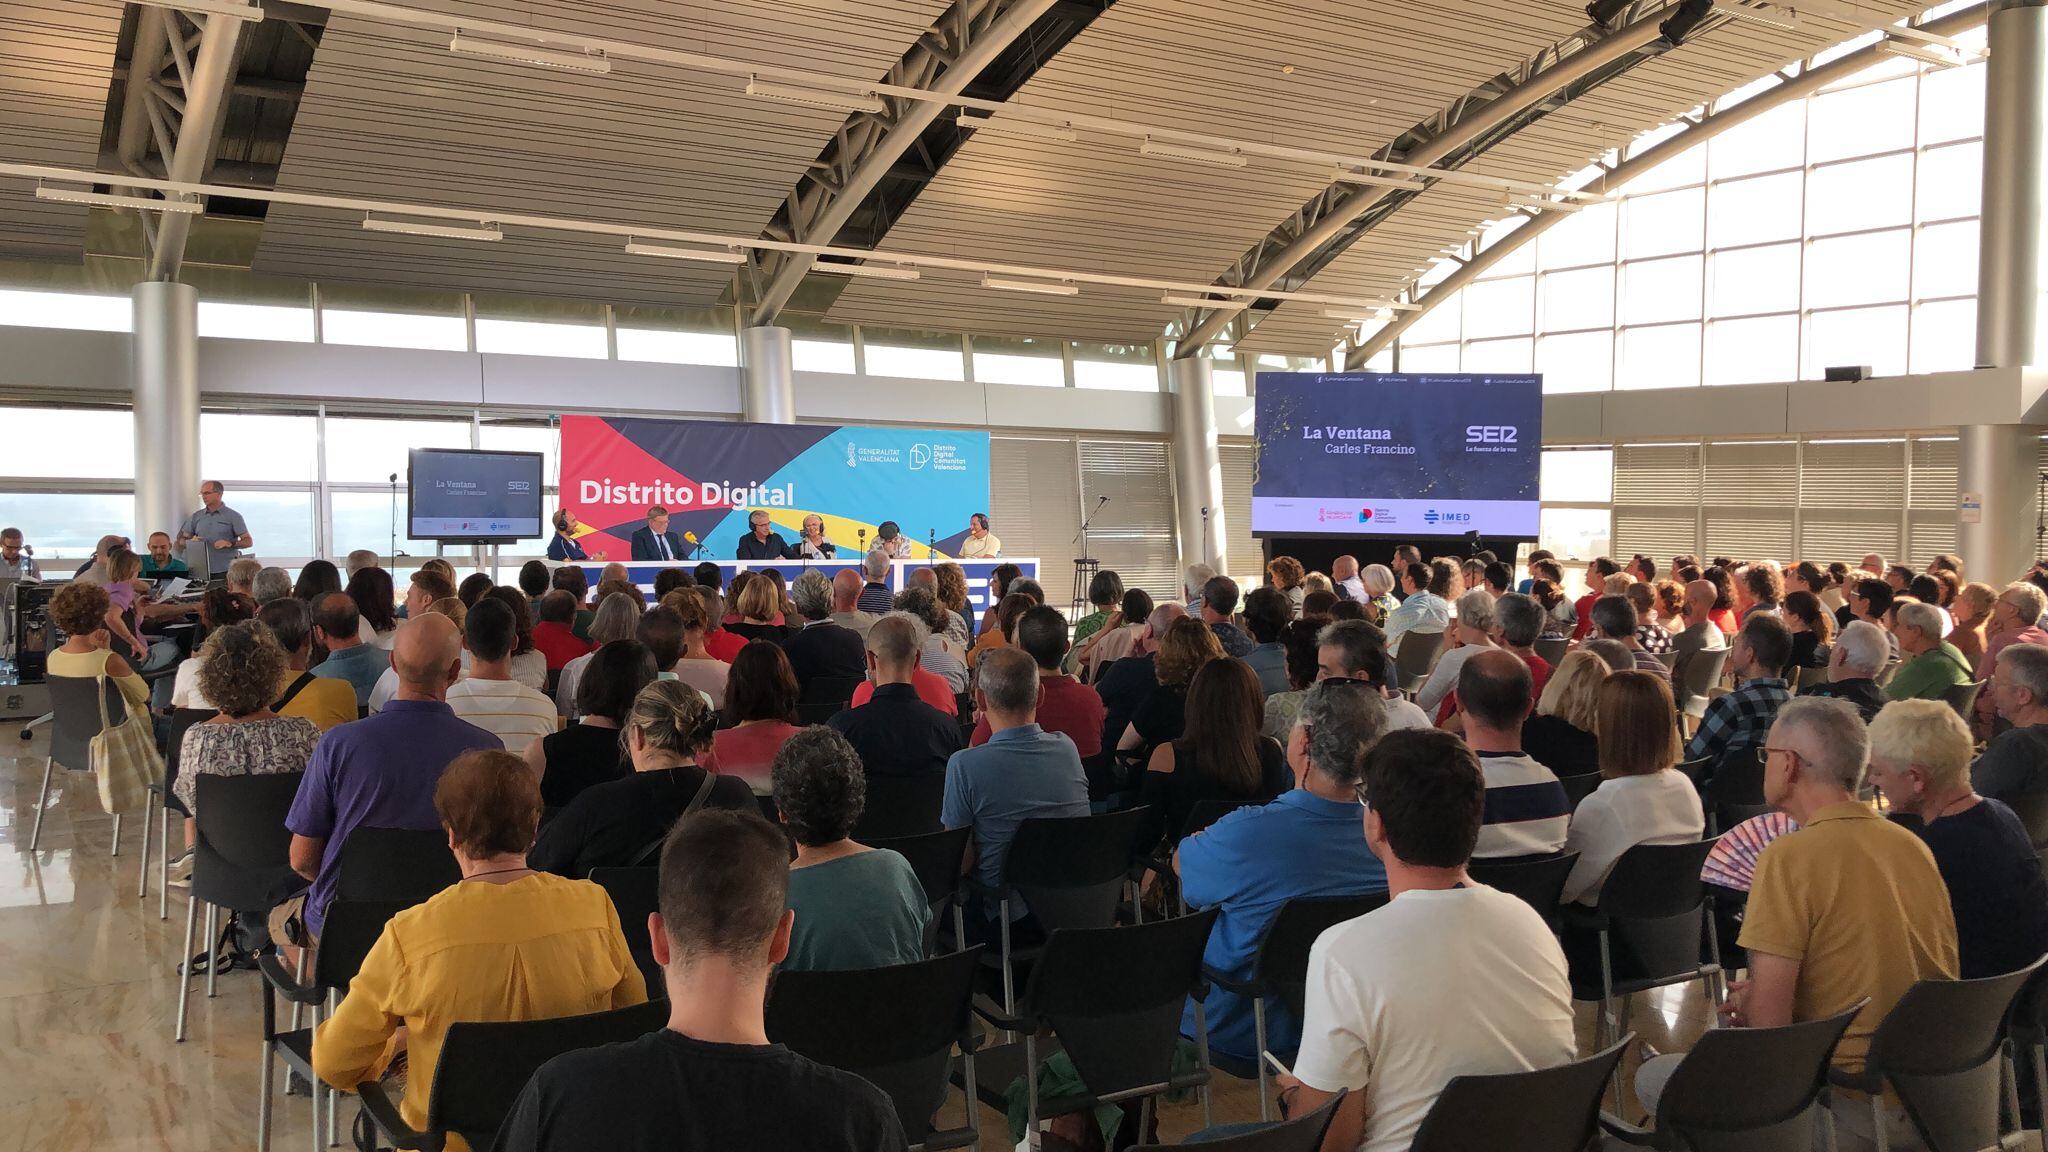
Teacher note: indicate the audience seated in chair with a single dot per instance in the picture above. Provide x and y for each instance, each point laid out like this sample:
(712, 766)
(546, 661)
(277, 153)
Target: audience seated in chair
(503, 943)
(1527, 811)
(323, 701)
(488, 696)
(2015, 619)
(1562, 733)
(1219, 757)
(760, 705)
(1298, 643)
(894, 731)
(1469, 634)
(1113, 641)
(1859, 654)
(710, 1081)
(821, 647)
(1356, 650)
(337, 628)
(554, 630)
(618, 824)
(591, 751)
(379, 772)
(1518, 621)
(1424, 604)
(1065, 705)
(529, 663)
(856, 907)
(1124, 684)
(618, 618)
(1161, 714)
(1450, 979)
(1023, 771)
(1310, 841)
(1920, 760)
(1219, 601)
(1642, 797)
(2015, 763)
(1614, 618)
(218, 607)
(1740, 718)
(1932, 664)
(1848, 907)
(939, 655)
(79, 609)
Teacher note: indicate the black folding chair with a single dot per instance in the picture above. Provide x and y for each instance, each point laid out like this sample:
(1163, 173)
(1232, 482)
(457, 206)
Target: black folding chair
(635, 893)
(1649, 923)
(75, 703)
(823, 697)
(182, 720)
(403, 865)
(1114, 997)
(1069, 871)
(1537, 883)
(936, 859)
(1547, 1110)
(1301, 1134)
(900, 805)
(1580, 786)
(1941, 1049)
(1280, 966)
(241, 860)
(1736, 784)
(346, 937)
(1963, 698)
(484, 1067)
(1418, 652)
(894, 1027)
(1744, 1090)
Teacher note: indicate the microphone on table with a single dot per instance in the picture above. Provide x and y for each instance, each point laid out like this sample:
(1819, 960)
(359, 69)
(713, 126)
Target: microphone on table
(690, 538)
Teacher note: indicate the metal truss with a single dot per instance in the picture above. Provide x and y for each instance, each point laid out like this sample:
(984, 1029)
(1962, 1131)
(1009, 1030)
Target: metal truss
(966, 39)
(1321, 229)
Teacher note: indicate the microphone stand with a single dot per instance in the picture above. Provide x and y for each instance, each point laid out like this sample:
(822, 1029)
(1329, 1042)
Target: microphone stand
(394, 517)
(931, 548)
(1085, 566)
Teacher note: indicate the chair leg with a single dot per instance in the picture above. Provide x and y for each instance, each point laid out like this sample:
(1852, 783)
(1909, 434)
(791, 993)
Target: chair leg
(1137, 891)
(298, 1009)
(1259, 1029)
(1009, 976)
(333, 1097)
(42, 801)
(185, 968)
(1202, 1057)
(1878, 1135)
(212, 951)
(116, 849)
(2009, 1080)
(142, 869)
(263, 1101)
(1828, 1142)
(2039, 1059)
(1031, 1140)
(163, 864)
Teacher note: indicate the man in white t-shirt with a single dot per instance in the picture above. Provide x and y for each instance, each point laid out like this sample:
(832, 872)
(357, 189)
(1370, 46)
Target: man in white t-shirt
(489, 697)
(1450, 979)
(1357, 650)
(1527, 811)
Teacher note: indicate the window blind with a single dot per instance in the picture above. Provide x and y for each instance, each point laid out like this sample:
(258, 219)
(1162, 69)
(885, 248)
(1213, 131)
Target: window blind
(1246, 558)
(1930, 502)
(1034, 497)
(1849, 499)
(1748, 490)
(1133, 534)
(1656, 498)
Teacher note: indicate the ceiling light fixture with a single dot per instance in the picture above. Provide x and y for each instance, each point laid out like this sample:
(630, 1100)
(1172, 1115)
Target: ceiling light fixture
(1789, 22)
(1222, 158)
(567, 59)
(232, 9)
(1370, 312)
(1018, 126)
(816, 97)
(1040, 287)
(1683, 21)
(1212, 303)
(1925, 53)
(1603, 12)
(484, 229)
(870, 271)
(1543, 203)
(671, 252)
(1353, 176)
(112, 200)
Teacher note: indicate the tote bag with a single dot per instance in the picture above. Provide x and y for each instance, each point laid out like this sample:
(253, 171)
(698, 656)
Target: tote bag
(124, 759)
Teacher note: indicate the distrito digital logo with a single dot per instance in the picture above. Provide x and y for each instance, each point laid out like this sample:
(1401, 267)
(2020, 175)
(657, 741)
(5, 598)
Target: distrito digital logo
(920, 455)
(1364, 515)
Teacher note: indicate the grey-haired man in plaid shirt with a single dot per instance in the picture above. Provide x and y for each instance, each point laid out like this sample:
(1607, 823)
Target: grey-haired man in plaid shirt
(1742, 717)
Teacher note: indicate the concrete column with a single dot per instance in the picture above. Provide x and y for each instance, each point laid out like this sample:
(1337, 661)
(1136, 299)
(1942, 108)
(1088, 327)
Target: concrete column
(767, 376)
(164, 369)
(1995, 465)
(1197, 467)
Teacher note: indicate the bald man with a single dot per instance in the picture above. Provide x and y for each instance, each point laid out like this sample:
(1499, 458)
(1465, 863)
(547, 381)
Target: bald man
(378, 772)
(1344, 575)
(1700, 633)
(846, 613)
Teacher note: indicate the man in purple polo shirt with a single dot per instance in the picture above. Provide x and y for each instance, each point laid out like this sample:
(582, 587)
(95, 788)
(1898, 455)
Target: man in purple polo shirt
(380, 771)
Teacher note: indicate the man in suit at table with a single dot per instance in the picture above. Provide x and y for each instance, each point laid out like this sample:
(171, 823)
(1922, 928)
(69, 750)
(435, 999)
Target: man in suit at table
(656, 542)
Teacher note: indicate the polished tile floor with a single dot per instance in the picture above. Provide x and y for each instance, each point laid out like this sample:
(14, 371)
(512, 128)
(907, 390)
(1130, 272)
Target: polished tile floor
(88, 992)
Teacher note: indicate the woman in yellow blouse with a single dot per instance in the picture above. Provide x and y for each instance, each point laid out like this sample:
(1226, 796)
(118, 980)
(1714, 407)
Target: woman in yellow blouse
(80, 610)
(505, 943)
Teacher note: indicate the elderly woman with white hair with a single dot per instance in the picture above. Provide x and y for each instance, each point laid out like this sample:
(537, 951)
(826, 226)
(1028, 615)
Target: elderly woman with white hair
(1379, 588)
(1920, 759)
(1472, 633)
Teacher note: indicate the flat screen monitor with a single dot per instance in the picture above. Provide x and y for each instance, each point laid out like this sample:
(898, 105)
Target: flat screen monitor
(473, 497)
(1377, 454)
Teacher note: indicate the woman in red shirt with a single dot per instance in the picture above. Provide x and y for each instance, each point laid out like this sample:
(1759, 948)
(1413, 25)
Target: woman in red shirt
(760, 701)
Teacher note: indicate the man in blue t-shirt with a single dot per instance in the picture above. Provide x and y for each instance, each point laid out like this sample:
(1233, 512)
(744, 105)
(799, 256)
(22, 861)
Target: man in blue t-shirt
(1309, 842)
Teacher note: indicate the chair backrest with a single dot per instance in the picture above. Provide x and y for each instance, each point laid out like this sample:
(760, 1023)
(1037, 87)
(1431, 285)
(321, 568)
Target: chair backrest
(1281, 962)
(182, 720)
(901, 805)
(351, 928)
(836, 691)
(1548, 1110)
(1963, 698)
(811, 714)
(406, 866)
(1070, 870)
(935, 857)
(1579, 786)
(484, 1066)
(634, 893)
(1302, 1134)
(1701, 671)
(1750, 1089)
(1655, 904)
(1418, 649)
(75, 711)
(2032, 809)
(242, 856)
(894, 1027)
(1939, 1047)
(1552, 649)
(1114, 997)
(1537, 883)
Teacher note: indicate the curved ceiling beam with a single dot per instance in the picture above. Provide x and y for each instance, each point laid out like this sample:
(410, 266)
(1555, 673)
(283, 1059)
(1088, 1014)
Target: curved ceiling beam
(1462, 124)
(1795, 88)
(966, 39)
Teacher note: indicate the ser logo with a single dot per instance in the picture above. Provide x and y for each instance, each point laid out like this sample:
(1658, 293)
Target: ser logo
(1490, 434)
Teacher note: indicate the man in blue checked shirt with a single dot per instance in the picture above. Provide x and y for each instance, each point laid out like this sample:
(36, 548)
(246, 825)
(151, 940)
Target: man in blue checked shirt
(1740, 719)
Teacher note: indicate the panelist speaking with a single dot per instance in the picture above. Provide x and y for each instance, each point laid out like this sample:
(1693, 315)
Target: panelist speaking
(656, 542)
(762, 543)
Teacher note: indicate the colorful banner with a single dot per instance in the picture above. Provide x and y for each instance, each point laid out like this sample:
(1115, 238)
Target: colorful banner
(712, 475)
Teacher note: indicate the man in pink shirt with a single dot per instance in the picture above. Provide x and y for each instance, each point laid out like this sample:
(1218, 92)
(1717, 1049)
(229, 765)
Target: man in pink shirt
(2015, 619)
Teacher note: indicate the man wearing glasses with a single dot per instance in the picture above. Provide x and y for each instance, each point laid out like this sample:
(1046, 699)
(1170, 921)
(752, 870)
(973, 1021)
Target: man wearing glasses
(1850, 906)
(1739, 719)
(218, 526)
(2015, 619)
